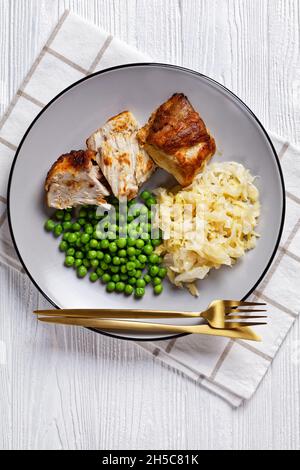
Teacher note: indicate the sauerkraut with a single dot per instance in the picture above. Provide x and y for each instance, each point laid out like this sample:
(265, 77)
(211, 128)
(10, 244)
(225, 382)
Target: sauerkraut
(207, 224)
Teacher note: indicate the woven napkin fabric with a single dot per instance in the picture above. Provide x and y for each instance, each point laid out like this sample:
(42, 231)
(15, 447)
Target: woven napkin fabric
(231, 369)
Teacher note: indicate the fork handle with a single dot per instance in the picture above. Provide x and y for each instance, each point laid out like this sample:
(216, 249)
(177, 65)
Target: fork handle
(113, 313)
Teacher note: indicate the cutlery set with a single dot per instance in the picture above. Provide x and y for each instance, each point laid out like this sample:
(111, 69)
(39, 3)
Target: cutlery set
(229, 318)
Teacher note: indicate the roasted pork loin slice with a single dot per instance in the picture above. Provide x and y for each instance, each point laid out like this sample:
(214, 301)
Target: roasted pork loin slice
(75, 179)
(125, 165)
(177, 139)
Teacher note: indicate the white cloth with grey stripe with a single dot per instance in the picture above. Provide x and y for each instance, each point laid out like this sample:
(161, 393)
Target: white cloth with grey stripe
(231, 369)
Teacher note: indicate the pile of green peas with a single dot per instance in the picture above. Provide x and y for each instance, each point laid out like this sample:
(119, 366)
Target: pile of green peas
(124, 264)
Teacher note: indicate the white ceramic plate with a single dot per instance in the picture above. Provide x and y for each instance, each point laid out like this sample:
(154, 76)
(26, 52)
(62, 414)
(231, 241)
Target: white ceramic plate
(72, 116)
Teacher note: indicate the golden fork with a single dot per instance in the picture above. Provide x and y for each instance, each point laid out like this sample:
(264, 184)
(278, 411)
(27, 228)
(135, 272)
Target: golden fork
(219, 315)
(122, 325)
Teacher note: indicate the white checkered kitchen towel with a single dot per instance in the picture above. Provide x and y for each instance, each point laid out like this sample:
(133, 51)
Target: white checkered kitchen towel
(232, 369)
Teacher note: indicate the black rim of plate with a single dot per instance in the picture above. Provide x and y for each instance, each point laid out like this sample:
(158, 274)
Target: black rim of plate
(133, 65)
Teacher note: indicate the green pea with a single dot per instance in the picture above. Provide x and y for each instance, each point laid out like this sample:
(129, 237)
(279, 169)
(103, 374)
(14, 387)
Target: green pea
(113, 228)
(145, 195)
(76, 227)
(153, 271)
(93, 277)
(58, 230)
(122, 253)
(110, 287)
(67, 225)
(132, 281)
(131, 241)
(123, 269)
(139, 244)
(115, 269)
(113, 247)
(86, 263)
(138, 264)
(139, 292)
(104, 266)
(138, 252)
(67, 217)
(59, 214)
(123, 277)
(88, 228)
(116, 278)
(151, 201)
(92, 254)
(154, 259)
(116, 260)
(111, 235)
(121, 242)
(130, 266)
(106, 277)
(145, 236)
(77, 262)
(93, 243)
(140, 283)
(147, 278)
(63, 246)
(162, 272)
(104, 244)
(133, 234)
(100, 255)
(120, 286)
(131, 251)
(98, 235)
(66, 236)
(138, 273)
(142, 258)
(132, 273)
(79, 254)
(156, 281)
(128, 289)
(81, 271)
(71, 251)
(94, 263)
(72, 238)
(85, 238)
(99, 272)
(158, 289)
(81, 222)
(107, 258)
(148, 249)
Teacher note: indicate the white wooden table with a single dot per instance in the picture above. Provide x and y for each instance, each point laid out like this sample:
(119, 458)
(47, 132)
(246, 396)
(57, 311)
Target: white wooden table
(72, 389)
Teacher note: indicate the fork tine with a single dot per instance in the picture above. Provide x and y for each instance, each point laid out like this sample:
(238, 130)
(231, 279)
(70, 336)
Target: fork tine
(238, 303)
(243, 310)
(233, 325)
(244, 317)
